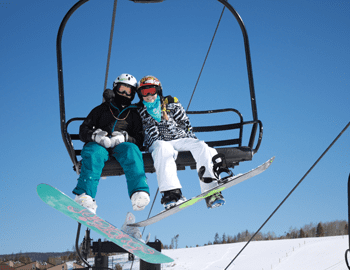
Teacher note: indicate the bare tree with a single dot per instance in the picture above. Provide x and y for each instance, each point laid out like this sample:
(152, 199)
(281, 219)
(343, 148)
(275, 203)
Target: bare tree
(174, 242)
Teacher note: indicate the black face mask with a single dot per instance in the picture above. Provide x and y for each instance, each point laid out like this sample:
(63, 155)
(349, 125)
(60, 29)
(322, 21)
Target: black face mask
(122, 101)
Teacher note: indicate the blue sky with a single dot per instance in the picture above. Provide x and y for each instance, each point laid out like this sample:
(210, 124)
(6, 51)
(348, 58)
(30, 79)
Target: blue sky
(301, 70)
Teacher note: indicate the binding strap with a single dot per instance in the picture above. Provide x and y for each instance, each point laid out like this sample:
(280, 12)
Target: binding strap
(220, 165)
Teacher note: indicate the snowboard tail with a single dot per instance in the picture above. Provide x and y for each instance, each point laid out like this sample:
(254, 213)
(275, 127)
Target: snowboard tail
(60, 201)
(224, 183)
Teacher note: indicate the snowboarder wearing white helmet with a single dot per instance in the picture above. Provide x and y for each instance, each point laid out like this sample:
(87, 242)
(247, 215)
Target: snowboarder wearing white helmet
(113, 128)
(168, 130)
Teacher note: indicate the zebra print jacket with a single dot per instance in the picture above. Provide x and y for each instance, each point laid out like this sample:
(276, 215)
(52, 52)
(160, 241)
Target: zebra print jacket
(178, 126)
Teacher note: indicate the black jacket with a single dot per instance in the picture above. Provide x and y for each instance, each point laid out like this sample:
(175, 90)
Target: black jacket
(109, 118)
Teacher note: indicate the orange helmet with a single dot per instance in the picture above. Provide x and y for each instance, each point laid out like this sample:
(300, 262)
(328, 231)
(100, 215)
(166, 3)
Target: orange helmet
(150, 80)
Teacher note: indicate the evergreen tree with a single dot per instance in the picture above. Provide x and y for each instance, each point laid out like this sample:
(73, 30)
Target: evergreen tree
(216, 239)
(346, 229)
(224, 239)
(246, 235)
(319, 230)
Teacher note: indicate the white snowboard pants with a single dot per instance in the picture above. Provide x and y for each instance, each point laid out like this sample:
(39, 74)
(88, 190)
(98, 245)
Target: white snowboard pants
(164, 154)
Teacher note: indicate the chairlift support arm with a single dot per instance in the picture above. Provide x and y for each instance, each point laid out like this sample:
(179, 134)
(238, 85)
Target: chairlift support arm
(249, 69)
(66, 138)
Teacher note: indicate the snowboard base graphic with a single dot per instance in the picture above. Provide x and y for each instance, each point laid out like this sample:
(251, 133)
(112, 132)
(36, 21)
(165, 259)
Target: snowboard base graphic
(60, 201)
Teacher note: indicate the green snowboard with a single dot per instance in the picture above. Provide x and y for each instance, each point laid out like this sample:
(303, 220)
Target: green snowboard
(69, 207)
(224, 183)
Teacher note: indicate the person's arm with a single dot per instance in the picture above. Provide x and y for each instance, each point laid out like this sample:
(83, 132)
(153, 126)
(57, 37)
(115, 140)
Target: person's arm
(136, 136)
(181, 118)
(87, 128)
(150, 128)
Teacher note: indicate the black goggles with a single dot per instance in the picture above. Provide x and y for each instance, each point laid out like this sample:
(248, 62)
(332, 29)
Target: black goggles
(132, 89)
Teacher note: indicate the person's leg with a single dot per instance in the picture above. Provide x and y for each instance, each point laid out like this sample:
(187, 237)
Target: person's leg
(202, 154)
(93, 160)
(164, 155)
(130, 158)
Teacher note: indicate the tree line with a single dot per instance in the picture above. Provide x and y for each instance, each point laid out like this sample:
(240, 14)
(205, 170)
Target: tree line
(322, 229)
(334, 228)
(53, 258)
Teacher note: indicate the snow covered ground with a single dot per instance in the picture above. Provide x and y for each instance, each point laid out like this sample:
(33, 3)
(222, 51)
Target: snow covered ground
(325, 253)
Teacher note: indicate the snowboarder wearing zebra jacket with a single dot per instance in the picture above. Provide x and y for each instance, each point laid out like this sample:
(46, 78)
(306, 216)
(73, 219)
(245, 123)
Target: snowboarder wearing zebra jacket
(167, 130)
(113, 128)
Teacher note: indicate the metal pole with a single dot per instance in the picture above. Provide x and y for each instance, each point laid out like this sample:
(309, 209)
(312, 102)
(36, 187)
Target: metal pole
(64, 133)
(249, 69)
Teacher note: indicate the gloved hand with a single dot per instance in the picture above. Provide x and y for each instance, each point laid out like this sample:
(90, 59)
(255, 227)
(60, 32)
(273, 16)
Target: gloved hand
(101, 138)
(117, 138)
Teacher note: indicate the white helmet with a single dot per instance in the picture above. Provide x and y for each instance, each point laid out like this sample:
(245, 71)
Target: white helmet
(126, 79)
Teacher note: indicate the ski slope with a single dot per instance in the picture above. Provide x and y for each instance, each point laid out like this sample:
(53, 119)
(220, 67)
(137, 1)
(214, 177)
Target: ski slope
(324, 253)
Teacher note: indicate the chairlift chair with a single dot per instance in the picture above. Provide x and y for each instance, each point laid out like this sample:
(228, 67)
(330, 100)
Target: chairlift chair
(232, 148)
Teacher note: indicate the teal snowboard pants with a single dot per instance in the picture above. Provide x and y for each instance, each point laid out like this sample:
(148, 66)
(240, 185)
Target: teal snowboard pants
(94, 157)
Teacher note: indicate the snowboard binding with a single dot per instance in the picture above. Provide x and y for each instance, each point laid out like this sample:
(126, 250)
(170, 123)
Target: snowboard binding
(219, 166)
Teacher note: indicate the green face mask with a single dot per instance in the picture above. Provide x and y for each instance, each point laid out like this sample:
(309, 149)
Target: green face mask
(154, 109)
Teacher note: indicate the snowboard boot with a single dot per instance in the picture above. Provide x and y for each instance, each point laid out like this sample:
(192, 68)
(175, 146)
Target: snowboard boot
(87, 202)
(139, 200)
(215, 200)
(172, 198)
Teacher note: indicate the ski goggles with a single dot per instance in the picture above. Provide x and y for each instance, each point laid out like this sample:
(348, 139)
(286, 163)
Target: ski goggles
(125, 90)
(150, 91)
